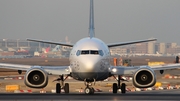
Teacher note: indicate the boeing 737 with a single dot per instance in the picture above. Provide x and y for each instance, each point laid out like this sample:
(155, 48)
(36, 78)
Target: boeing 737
(89, 62)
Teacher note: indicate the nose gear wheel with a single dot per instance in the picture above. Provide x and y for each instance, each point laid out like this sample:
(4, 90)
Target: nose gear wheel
(89, 90)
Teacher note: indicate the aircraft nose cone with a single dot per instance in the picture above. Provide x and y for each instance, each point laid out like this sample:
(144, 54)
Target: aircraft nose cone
(90, 64)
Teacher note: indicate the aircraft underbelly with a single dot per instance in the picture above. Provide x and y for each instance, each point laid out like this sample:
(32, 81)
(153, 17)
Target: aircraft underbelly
(90, 76)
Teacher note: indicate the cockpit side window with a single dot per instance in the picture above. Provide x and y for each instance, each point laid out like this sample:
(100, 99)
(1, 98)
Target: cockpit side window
(78, 52)
(101, 53)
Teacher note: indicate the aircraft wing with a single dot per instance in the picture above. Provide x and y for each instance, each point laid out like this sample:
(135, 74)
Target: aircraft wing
(166, 66)
(54, 70)
(51, 42)
(57, 70)
(130, 42)
(123, 70)
(15, 66)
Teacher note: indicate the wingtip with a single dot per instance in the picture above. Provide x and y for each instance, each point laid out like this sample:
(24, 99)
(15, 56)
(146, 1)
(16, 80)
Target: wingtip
(28, 39)
(153, 39)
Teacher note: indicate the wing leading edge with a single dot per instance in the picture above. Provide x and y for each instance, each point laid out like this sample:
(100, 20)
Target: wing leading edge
(121, 70)
(15, 66)
(51, 42)
(130, 42)
(53, 70)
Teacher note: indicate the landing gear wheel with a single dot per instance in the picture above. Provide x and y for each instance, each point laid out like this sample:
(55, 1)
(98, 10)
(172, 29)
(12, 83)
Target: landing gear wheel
(115, 88)
(123, 88)
(58, 88)
(66, 88)
(89, 90)
(92, 90)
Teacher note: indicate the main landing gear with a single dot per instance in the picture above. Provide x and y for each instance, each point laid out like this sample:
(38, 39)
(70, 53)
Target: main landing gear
(117, 86)
(88, 89)
(61, 85)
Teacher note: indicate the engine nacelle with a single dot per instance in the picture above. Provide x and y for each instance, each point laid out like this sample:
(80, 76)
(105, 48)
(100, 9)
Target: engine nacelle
(144, 77)
(36, 77)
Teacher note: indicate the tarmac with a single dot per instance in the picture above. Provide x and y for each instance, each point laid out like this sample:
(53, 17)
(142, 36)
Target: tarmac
(103, 96)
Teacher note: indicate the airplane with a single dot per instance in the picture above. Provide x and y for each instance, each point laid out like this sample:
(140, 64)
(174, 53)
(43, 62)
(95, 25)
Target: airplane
(89, 62)
(47, 50)
(57, 48)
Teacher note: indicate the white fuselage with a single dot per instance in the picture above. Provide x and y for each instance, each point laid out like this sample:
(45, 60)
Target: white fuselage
(89, 60)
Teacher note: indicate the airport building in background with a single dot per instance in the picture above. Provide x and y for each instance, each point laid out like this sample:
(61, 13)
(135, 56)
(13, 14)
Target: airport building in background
(151, 48)
(20, 47)
(140, 48)
(10, 47)
(162, 48)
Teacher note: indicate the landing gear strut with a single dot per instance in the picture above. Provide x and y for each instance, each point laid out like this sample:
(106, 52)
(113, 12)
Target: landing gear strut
(117, 86)
(60, 85)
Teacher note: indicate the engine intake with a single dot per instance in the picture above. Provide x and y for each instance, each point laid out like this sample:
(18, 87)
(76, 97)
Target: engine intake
(36, 78)
(144, 77)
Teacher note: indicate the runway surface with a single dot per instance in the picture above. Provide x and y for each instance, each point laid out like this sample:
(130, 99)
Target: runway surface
(143, 95)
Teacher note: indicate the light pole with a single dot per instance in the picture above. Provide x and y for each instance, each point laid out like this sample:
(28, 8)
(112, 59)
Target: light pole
(17, 43)
(5, 40)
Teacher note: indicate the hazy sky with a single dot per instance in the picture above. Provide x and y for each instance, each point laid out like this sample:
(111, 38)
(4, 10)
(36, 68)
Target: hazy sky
(115, 20)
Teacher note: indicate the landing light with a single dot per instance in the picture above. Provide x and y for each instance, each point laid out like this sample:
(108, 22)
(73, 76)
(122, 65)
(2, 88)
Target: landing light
(114, 69)
(66, 70)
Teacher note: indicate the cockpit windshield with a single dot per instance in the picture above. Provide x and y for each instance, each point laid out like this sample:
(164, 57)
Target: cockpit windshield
(89, 52)
(85, 52)
(94, 52)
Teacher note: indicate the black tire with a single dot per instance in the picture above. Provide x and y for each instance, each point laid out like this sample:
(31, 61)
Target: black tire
(87, 90)
(58, 88)
(115, 88)
(123, 88)
(92, 90)
(66, 88)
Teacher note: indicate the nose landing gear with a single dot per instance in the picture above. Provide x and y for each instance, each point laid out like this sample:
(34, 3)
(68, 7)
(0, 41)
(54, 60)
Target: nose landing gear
(88, 89)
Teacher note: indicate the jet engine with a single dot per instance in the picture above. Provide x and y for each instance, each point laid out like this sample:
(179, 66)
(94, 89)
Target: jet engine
(36, 77)
(144, 77)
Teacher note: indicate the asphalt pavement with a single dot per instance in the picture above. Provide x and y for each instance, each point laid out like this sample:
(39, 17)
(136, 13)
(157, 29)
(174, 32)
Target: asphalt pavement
(143, 95)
